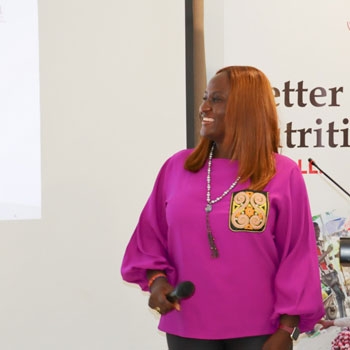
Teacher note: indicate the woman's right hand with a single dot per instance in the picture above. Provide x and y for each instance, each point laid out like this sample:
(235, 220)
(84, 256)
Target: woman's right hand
(158, 300)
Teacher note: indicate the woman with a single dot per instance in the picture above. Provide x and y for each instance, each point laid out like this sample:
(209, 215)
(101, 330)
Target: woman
(233, 217)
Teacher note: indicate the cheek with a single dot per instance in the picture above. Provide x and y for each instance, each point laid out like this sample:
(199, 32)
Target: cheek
(220, 112)
(221, 119)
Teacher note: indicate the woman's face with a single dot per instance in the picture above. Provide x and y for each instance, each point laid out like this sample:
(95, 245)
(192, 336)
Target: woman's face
(213, 108)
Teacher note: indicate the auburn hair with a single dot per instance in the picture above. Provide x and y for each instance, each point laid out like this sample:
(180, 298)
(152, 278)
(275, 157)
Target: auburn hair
(251, 127)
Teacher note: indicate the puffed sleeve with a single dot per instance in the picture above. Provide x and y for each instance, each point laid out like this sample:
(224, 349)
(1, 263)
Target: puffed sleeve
(297, 283)
(147, 248)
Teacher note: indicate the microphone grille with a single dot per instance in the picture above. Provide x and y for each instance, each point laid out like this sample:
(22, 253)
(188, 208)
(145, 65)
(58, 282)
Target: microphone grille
(185, 289)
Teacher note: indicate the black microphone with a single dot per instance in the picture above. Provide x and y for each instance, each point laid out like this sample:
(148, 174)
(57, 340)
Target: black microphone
(183, 290)
(311, 161)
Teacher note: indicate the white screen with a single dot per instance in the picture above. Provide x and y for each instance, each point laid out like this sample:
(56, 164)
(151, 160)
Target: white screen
(20, 171)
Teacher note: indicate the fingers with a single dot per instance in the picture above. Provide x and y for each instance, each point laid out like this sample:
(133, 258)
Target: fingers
(163, 306)
(163, 309)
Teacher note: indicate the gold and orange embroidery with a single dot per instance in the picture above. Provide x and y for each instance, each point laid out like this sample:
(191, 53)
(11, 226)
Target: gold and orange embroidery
(248, 211)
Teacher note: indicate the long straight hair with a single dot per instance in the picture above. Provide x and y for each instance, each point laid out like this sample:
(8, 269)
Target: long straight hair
(251, 127)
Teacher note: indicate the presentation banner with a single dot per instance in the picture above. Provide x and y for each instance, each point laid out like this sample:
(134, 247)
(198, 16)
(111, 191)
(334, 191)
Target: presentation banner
(303, 47)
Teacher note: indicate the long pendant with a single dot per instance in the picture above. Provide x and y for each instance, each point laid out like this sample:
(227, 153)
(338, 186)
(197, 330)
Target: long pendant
(213, 248)
(209, 206)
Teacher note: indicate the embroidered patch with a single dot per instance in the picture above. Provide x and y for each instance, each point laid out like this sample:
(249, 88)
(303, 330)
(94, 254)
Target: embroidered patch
(248, 211)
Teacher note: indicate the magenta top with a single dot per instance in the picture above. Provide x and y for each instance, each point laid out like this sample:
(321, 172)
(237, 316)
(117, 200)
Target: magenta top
(267, 264)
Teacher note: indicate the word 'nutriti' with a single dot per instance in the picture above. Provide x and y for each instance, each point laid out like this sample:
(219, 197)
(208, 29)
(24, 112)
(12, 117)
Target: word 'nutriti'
(317, 137)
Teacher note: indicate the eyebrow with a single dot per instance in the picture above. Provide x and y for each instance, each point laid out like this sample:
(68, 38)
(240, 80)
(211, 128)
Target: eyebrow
(215, 92)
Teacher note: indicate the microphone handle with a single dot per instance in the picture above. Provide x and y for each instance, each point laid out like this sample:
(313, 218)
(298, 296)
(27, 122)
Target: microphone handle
(172, 297)
(316, 166)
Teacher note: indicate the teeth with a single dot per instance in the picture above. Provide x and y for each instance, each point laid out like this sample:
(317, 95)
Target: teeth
(206, 119)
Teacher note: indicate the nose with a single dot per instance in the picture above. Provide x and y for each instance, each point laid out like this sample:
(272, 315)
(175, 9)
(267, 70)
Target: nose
(204, 107)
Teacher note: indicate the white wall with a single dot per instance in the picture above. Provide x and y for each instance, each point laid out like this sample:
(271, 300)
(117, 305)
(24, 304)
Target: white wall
(113, 109)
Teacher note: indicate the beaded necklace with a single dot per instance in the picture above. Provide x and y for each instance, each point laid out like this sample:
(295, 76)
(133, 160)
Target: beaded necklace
(210, 202)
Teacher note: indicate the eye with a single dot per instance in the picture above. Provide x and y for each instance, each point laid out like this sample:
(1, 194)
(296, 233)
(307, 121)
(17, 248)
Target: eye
(213, 99)
(216, 99)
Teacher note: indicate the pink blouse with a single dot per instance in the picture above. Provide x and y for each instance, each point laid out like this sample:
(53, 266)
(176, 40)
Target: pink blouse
(267, 264)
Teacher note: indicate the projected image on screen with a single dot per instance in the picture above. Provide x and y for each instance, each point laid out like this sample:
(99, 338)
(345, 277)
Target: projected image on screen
(20, 180)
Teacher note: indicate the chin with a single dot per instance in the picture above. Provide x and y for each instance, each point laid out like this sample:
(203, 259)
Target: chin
(204, 133)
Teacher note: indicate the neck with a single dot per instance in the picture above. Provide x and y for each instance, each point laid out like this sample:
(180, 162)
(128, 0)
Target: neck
(221, 152)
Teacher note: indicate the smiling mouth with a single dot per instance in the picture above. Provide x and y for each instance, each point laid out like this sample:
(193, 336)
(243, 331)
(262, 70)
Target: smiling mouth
(205, 118)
